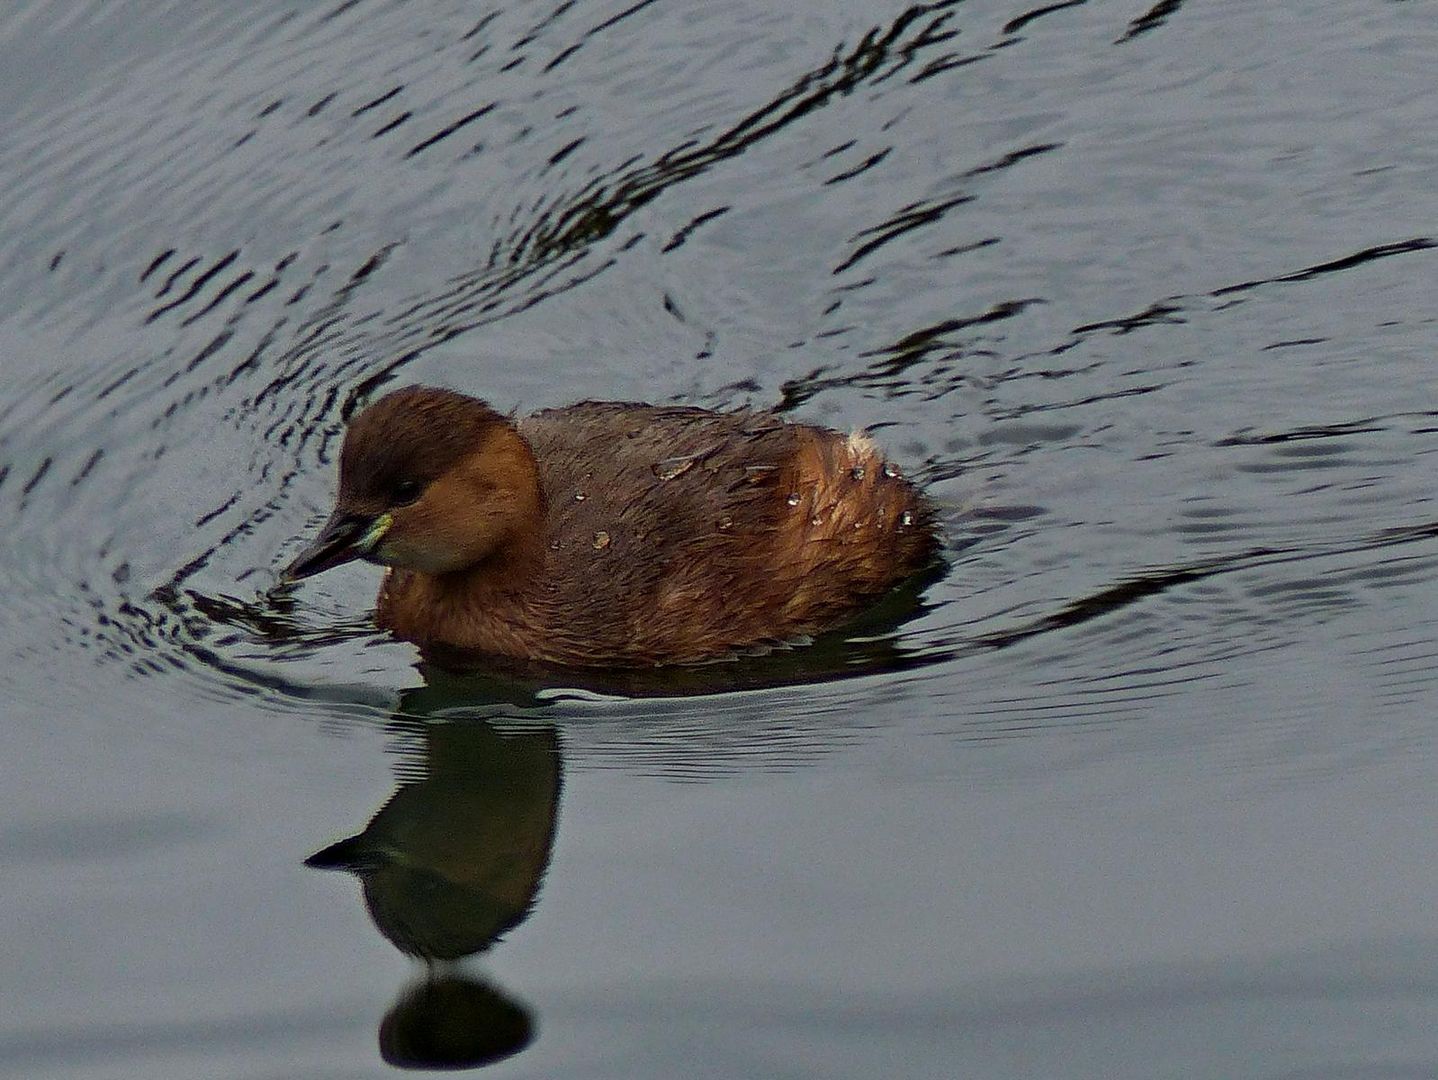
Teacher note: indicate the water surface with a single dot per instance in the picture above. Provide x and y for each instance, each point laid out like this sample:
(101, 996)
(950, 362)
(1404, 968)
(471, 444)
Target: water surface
(1144, 297)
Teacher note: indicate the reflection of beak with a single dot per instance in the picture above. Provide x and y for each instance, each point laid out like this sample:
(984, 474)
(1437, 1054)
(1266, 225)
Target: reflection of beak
(343, 538)
(353, 854)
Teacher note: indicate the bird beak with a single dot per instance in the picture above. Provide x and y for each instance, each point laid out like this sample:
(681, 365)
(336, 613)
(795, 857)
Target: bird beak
(343, 538)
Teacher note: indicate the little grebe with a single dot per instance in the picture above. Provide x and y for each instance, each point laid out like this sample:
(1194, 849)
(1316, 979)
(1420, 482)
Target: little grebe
(609, 534)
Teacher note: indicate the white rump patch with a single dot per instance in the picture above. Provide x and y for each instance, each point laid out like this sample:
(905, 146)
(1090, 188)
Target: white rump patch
(861, 447)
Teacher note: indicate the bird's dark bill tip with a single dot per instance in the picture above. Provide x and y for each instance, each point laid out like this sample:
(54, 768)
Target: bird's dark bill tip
(336, 544)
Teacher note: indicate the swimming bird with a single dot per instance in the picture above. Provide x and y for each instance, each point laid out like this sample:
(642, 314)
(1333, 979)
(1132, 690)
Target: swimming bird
(615, 534)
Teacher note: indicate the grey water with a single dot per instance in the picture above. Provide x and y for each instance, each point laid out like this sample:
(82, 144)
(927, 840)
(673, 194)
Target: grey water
(1142, 293)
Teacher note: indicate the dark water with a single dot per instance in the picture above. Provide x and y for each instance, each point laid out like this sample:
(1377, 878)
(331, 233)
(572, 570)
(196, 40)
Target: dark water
(1144, 295)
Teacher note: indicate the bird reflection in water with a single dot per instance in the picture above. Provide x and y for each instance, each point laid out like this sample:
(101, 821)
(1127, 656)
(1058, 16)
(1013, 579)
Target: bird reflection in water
(455, 858)
(450, 863)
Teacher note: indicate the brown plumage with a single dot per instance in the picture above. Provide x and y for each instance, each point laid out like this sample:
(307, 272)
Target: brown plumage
(608, 534)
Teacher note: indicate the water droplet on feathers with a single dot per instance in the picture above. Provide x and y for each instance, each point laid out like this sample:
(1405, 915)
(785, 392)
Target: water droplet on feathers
(669, 468)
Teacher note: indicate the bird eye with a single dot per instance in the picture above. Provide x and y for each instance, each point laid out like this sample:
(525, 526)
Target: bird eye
(407, 491)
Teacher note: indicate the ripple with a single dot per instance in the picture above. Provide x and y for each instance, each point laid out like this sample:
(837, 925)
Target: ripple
(1143, 300)
(215, 345)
